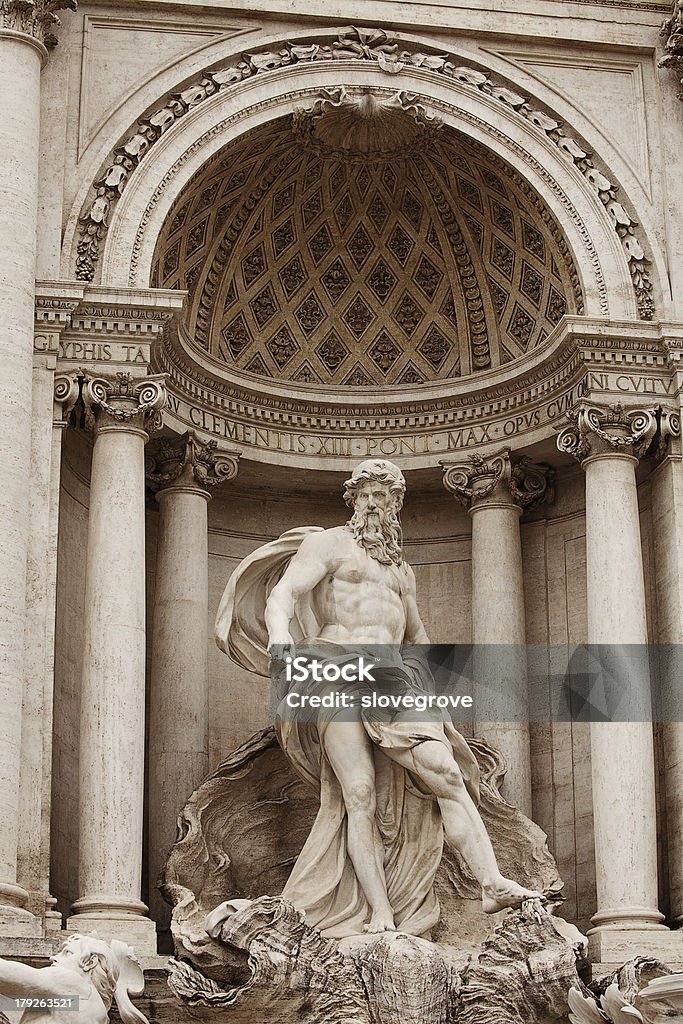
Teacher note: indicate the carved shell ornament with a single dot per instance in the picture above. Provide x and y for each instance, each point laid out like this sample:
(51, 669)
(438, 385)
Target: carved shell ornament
(366, 126)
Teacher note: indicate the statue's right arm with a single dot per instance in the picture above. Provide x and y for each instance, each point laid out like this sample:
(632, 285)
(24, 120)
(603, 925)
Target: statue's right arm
(312, 562)
(18, 979)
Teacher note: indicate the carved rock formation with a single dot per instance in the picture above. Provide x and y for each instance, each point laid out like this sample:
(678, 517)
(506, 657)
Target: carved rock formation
(240, 834)
(643, 990)
(243, 829)
(523, 973)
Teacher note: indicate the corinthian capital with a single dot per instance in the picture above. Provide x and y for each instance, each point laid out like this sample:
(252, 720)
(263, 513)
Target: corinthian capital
(498, 479)
(37, 18)
(189, 461)
(612, 430)
(123, 400)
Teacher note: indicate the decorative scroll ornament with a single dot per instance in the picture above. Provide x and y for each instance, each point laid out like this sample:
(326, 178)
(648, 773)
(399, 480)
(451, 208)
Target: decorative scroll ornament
(36, 18)
(363, 44)
(189, 459)
(365, 127)
(672, 30)
(499, 478)
(669, 425)
(67, 390)
(124, 399)
(600, 429)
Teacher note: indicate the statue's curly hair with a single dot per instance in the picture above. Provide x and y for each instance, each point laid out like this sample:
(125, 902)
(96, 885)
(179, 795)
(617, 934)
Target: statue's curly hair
(384, 472)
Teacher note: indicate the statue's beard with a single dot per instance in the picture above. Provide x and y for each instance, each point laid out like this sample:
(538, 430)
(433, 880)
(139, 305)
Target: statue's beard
(379, 532)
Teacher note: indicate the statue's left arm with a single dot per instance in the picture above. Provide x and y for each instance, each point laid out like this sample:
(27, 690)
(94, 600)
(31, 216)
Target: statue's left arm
(415, 632)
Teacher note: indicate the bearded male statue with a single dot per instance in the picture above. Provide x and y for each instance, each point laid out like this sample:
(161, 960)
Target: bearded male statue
(390, 788)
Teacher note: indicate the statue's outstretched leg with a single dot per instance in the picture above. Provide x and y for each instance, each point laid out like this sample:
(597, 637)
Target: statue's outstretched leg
(437, 769)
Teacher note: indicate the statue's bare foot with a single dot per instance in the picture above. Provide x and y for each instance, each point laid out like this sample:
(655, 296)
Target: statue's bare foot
(503, 892)
(381, 921)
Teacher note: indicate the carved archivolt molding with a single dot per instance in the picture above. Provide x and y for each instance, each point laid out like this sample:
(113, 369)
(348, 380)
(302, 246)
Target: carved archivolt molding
(370, 45)
(37, 18)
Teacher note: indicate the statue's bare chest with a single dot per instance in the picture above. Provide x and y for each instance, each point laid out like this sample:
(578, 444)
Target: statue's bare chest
(357, 567)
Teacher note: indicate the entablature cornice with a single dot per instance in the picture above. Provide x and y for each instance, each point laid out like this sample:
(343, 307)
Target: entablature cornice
(83, 324)
(518, 404)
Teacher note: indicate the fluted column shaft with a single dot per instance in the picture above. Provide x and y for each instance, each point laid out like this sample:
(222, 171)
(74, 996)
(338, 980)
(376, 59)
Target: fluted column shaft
(667, 528)
(185, 472)
(112, 738)
(496, 490)
(24, 31)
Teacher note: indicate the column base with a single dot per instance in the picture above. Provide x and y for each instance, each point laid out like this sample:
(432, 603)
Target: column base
(138, 932)
(612, 947)
(115, 918)
(15, 920)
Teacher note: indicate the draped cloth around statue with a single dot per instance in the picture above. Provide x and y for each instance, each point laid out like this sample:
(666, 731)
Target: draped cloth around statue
(323, 883)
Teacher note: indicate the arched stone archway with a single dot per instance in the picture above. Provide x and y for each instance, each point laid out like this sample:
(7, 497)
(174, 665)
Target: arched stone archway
(173, 143)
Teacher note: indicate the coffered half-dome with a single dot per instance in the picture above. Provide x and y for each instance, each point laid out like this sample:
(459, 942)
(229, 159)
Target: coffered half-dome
(364, 244)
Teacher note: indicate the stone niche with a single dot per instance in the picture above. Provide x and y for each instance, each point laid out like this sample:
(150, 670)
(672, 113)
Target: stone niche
(377, 247)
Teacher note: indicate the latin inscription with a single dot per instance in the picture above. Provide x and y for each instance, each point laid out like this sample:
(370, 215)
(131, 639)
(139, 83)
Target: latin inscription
(345, 446)
(91, 352)
(482, 426)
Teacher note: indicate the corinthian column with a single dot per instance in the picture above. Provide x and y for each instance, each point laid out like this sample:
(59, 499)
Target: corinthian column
(496, 490)
(23, 35)
(184, 472)
(608, 443)
(112, 742)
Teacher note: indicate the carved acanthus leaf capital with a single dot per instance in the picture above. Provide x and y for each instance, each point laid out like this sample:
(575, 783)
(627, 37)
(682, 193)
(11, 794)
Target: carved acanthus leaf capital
(189, 460)
(608, 430)
(37, 18)
(124, 400)
(498, 478)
